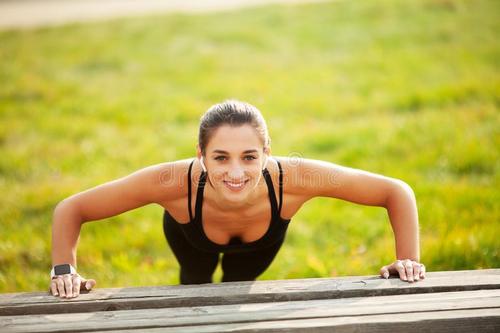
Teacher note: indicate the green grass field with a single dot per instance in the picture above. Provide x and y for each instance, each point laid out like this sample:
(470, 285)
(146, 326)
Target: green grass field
(407, 89)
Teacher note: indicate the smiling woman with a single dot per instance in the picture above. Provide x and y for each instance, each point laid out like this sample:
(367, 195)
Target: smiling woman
(233, 199)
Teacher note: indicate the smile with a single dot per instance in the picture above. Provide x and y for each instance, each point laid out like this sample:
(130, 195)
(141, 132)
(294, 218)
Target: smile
(235, 186)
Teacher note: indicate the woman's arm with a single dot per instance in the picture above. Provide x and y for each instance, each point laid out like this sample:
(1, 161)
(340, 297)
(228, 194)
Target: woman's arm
(315, 178)
(153, 184)
(402, 209)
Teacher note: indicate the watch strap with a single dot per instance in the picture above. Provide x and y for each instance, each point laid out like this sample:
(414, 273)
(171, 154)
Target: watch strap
(61, 270)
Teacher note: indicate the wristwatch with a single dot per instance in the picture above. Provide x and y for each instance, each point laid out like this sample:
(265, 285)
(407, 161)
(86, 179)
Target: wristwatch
(61, 270)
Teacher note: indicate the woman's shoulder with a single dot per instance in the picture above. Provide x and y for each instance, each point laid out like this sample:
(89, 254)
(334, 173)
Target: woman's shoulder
(301, 174)
(170, 168)
(312, 178)
(170, 178)
(292, 170)
(301, 166)
(159, 183)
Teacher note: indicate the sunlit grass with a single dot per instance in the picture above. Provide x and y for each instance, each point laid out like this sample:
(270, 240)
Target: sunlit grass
(408, 89)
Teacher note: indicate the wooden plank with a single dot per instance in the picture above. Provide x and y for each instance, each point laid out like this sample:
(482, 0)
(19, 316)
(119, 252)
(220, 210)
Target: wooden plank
(245, 292)
(457, 321)
(256, 312)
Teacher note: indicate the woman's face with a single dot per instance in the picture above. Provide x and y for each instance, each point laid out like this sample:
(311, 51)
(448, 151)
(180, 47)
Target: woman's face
(234, 159)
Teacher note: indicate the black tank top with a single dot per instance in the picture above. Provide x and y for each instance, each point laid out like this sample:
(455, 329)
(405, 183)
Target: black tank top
(193, 230)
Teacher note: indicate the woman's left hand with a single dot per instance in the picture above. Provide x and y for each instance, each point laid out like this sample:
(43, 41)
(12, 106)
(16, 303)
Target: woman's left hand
(408, 270)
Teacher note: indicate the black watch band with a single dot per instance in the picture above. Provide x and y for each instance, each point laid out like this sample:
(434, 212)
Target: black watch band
(62, 269)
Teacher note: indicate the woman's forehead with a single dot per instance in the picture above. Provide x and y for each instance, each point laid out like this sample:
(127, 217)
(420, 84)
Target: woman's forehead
(234, 139)
(233, 134)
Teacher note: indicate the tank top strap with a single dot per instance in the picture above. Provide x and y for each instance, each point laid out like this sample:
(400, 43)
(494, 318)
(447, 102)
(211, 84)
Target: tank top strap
(272, 194)
(189, 191)
(280, 187)
(199, 194)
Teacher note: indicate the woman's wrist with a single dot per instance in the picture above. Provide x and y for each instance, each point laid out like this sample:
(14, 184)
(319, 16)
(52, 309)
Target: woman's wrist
(61, 270)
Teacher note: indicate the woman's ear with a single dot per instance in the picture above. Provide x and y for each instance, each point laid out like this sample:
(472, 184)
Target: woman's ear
(200, 157)
(198, 151)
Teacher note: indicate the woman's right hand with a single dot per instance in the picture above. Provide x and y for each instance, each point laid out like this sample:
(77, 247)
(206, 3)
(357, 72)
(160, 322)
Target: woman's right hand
(70, 285)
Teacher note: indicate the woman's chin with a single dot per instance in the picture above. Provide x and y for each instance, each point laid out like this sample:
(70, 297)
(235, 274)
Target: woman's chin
(235, 197)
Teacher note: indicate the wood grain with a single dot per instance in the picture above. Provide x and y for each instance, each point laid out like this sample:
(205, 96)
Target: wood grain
(458, 301)
(255, 312)
(245, 292)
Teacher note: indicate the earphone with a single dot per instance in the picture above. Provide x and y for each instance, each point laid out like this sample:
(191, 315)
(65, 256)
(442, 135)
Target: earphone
(265, 162)
(203, 164)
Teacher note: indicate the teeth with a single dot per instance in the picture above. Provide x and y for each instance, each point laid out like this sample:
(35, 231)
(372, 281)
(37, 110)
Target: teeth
(235, 184)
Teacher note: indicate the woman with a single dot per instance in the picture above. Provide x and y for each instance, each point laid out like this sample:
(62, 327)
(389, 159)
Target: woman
(235, 199)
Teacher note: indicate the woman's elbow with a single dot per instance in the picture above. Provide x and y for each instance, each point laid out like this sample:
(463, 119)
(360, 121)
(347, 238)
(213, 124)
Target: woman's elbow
(66, 210)
(398, 189)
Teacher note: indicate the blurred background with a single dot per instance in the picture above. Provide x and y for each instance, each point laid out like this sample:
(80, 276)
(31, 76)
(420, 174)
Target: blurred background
(407, 89)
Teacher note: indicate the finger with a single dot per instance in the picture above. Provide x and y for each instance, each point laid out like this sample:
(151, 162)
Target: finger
(89, 284)
(422, 271)
(76, 285)
(416, 272)
(409, 270)
(401, 270)
(60, 286)
(68, 285)
(399, 266)
(53, 287)
(384, 272)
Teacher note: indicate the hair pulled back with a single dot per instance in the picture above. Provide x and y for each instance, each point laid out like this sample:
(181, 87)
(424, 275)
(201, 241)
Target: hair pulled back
(233, 113)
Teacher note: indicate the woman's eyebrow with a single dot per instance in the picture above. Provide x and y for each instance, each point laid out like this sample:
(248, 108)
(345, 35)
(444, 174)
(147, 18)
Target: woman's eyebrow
(248, 151)
(218, 151)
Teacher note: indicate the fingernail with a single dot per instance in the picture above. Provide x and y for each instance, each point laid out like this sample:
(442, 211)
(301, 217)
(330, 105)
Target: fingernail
(416, 277)
(87, 285)
(404, 278)
(386, 275)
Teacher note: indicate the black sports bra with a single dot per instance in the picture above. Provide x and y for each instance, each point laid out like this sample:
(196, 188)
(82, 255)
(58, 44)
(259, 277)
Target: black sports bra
(193, 230)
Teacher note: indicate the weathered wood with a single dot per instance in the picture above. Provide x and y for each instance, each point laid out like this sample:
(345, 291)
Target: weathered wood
(464, 301)
(245, 292)
(468, 321)
(315, 313)
(456, 321)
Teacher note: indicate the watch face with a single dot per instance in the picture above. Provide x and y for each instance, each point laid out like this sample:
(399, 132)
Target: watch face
(62, 269)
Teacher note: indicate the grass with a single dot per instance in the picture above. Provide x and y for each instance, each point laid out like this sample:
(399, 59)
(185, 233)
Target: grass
(408, 89)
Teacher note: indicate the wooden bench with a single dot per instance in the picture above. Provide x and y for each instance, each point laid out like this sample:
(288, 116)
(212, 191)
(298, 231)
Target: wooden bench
(455, 301)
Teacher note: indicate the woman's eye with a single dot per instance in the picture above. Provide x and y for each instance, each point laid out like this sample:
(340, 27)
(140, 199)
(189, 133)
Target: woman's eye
(222, 158)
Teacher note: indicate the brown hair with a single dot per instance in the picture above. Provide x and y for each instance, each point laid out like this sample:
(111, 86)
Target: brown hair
(233, 113)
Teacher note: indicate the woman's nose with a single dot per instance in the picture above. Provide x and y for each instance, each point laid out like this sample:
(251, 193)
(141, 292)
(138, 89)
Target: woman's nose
(236, 172)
